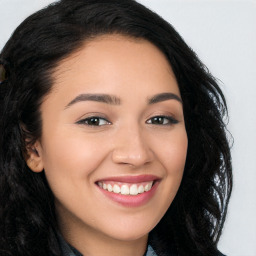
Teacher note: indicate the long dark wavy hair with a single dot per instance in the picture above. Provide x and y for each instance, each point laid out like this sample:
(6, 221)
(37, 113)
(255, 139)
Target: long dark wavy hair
(28, 227)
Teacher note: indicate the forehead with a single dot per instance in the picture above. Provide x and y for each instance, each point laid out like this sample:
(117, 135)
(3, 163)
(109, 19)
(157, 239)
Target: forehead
(114, 59)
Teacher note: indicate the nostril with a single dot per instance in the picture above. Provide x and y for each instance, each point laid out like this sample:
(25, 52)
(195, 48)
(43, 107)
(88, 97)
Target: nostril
(131, 157)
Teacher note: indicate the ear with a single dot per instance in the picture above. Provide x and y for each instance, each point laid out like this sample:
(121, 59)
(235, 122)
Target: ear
(34, 157)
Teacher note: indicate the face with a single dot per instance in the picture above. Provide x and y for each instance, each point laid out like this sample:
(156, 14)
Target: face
(113, 143)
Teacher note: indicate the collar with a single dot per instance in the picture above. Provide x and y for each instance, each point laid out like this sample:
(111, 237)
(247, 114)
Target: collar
(67, 250)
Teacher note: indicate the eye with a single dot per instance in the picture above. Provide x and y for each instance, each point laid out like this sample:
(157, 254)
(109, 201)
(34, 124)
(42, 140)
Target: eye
(94, 121)
(162, 120)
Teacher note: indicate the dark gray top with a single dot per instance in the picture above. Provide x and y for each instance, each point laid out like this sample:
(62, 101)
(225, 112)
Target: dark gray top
(68, 250)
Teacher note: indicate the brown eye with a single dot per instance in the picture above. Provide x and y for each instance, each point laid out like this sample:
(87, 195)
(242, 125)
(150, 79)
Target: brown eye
(162, 120)
(94, 121)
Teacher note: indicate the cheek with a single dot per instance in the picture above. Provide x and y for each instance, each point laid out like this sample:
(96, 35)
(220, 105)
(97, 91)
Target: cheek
(72, 155)
(173, 158)
(174, 152)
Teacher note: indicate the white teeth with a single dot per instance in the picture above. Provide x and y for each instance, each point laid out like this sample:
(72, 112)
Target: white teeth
(110, 188)
(141, 189)
(116, 189)
(133, 190)
(125, 190)
(148, 186)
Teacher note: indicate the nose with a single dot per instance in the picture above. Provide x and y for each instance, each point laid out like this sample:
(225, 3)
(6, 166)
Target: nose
(131, 148)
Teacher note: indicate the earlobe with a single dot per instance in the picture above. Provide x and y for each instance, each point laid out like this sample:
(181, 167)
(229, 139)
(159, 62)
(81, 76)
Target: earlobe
(34, 158)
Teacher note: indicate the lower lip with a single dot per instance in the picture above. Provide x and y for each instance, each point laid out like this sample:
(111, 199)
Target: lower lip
(129, 200)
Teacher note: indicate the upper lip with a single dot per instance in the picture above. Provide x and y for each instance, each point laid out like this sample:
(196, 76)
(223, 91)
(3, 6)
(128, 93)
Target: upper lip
(131, 179)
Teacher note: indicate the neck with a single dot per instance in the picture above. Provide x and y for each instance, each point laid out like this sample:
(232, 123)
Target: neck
(90, 242)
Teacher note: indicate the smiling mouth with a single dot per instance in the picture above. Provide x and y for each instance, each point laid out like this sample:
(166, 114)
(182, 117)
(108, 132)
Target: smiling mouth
(126, 188)
(129, 191)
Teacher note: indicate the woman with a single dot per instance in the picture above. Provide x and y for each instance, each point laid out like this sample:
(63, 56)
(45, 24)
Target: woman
(113, 136)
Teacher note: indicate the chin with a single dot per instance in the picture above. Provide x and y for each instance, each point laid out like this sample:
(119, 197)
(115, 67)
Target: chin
(130, 234)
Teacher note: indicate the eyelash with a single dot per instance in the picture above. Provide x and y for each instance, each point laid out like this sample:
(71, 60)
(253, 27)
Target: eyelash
(95, 121)
(156, 120)
(164, 120)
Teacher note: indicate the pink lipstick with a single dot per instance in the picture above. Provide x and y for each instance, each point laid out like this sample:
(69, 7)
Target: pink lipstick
(129, 191)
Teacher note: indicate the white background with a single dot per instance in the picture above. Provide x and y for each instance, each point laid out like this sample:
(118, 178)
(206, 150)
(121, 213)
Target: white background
(223, 34)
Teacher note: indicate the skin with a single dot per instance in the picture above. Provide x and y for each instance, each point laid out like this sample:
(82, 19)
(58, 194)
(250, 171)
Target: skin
(126, 142)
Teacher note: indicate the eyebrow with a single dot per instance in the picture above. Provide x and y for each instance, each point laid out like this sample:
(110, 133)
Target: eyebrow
(104, 98)
(163, 97)
(113, 100)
